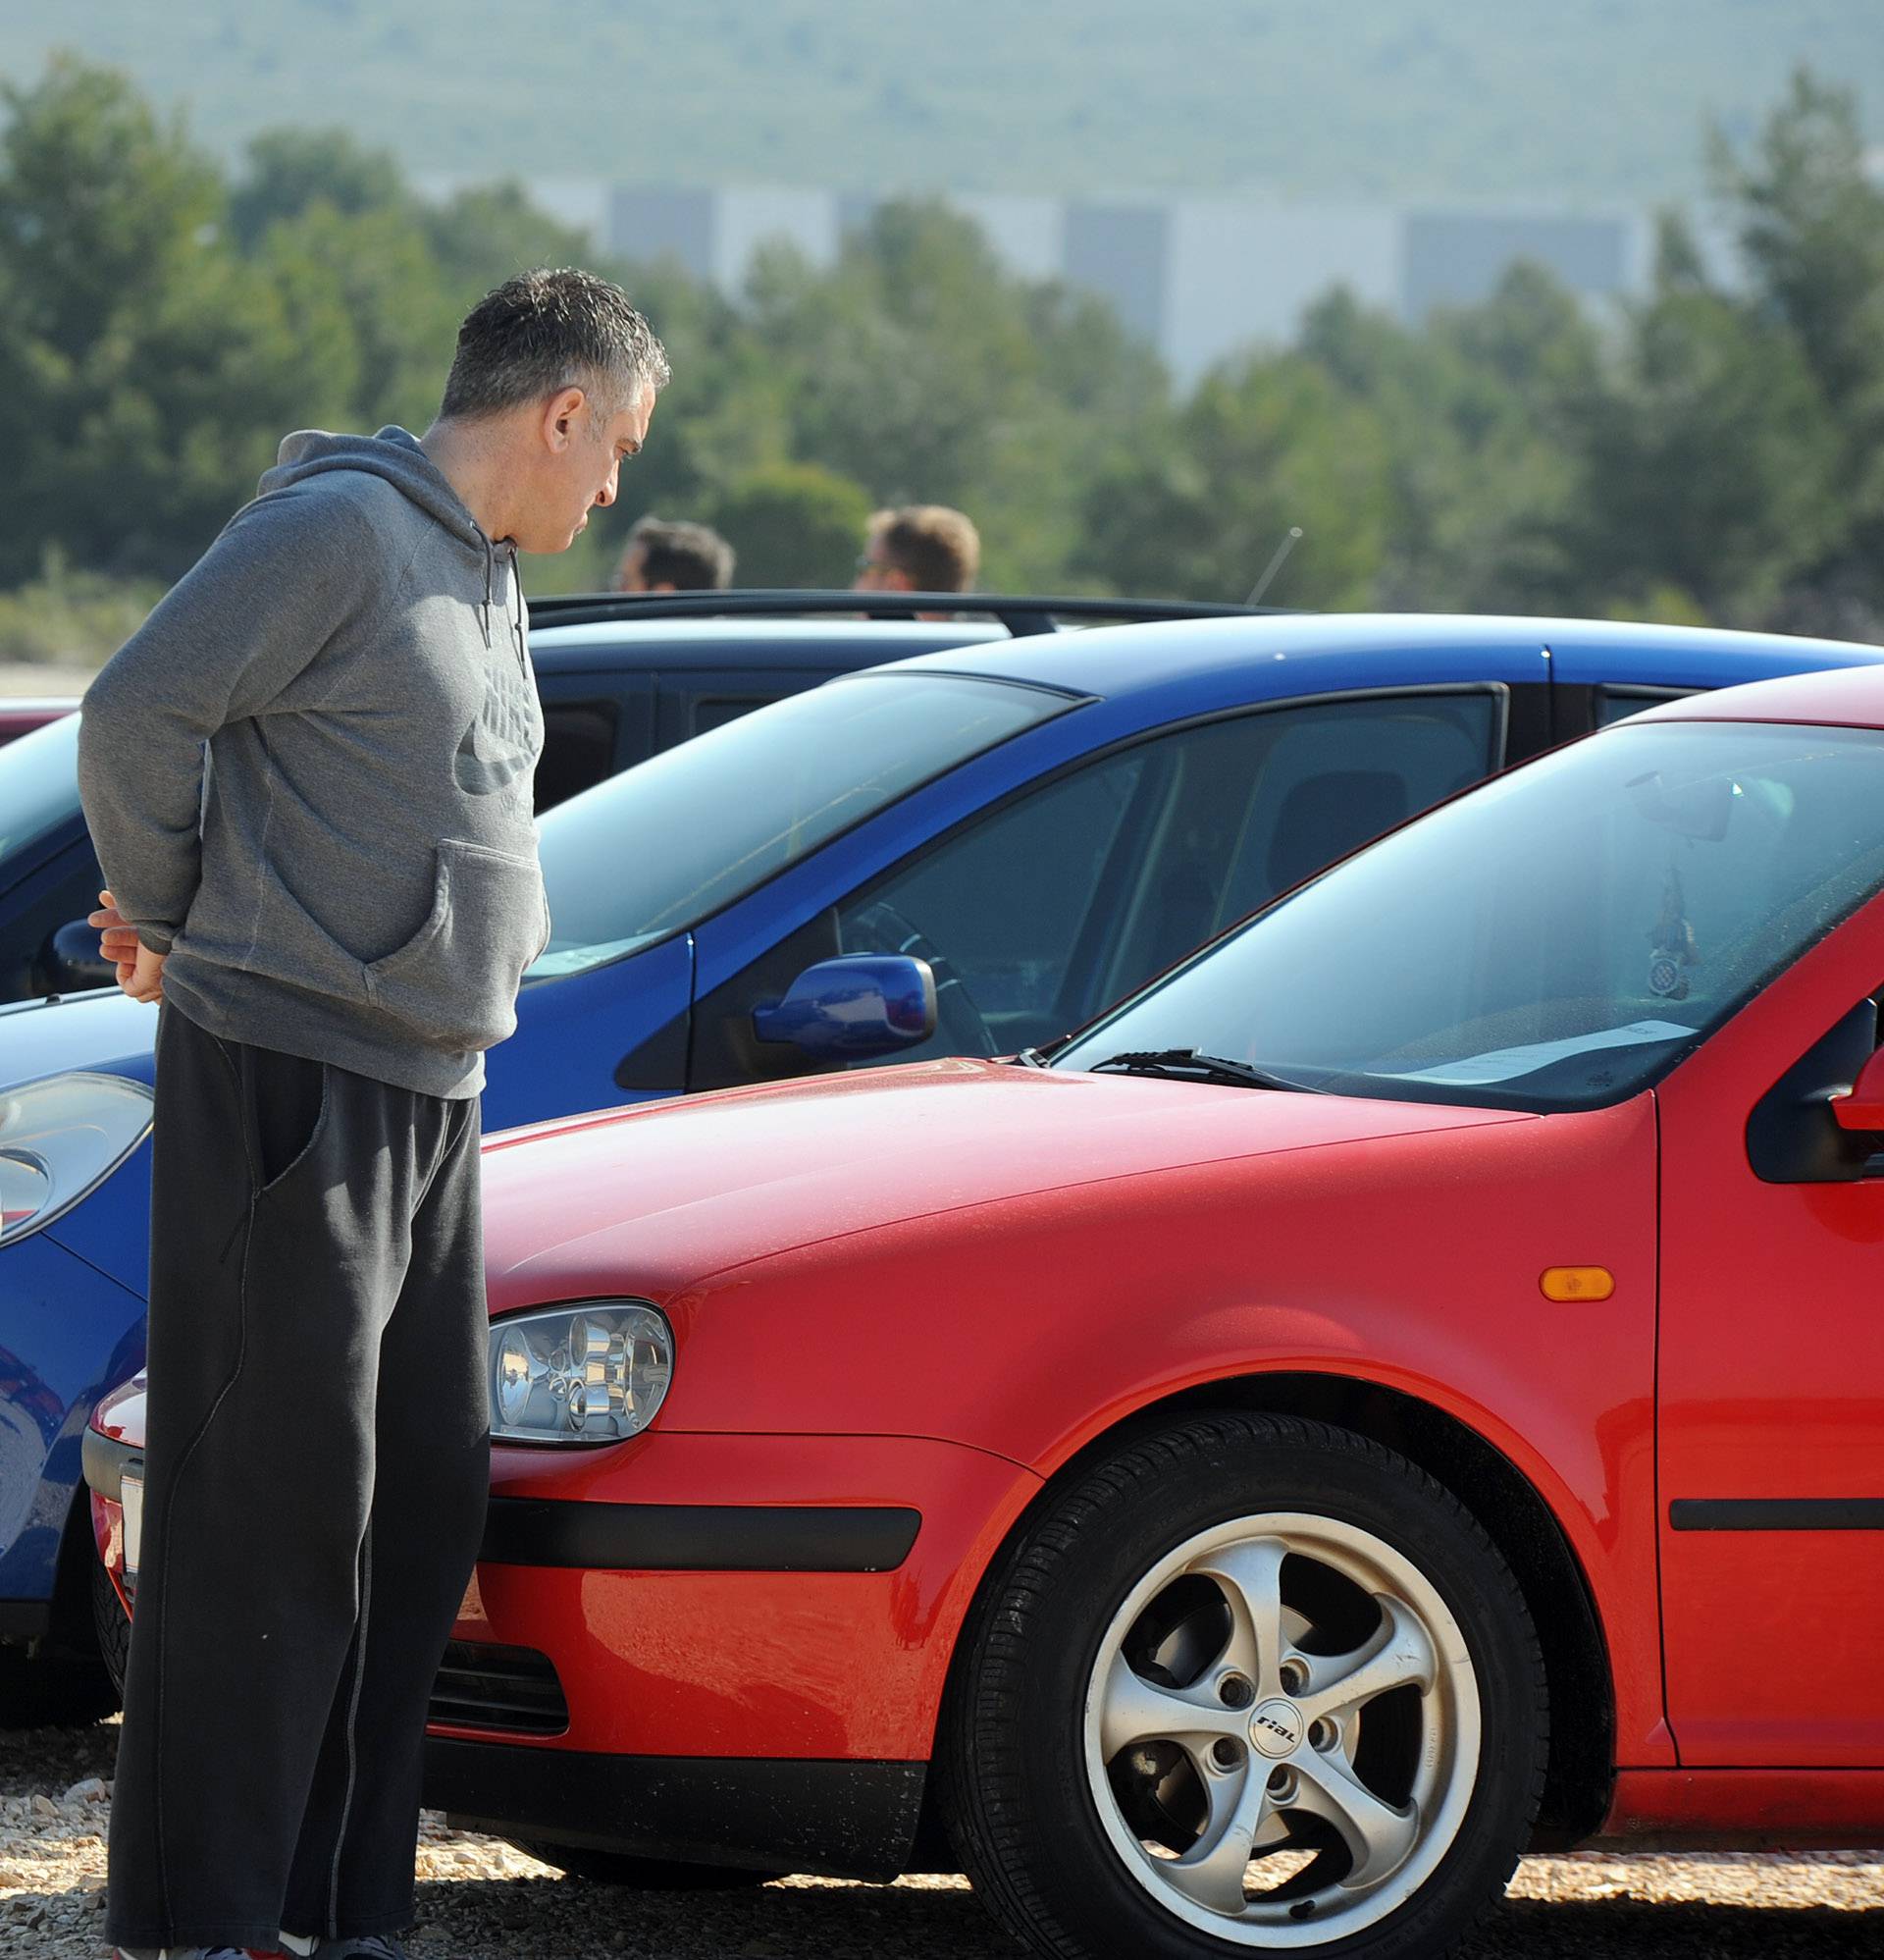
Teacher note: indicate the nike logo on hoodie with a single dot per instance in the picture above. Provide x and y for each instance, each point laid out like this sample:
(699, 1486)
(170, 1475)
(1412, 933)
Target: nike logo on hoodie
(499, 743)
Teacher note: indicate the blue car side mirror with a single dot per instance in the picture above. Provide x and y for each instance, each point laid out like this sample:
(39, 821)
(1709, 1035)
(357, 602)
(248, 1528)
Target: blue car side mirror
(864, 1004)
(74, 961)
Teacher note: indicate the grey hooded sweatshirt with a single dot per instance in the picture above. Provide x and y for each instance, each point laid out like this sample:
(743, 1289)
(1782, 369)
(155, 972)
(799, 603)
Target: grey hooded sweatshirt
(308, 776)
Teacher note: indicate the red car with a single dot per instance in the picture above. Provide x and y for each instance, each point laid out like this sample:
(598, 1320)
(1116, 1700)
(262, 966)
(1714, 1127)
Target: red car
(20, 716)
(1406, 1387)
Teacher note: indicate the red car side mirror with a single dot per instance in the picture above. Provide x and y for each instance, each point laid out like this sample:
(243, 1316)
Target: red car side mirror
(1863, 1107)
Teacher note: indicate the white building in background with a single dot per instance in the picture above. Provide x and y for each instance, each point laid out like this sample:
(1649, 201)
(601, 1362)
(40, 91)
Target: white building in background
(1198, 277)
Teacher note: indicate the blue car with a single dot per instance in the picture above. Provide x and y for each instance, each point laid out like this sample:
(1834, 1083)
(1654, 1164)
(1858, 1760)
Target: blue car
(1014, 832)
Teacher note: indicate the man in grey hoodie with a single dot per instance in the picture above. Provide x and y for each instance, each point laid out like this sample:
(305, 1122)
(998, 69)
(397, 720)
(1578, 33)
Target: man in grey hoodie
(308, 778)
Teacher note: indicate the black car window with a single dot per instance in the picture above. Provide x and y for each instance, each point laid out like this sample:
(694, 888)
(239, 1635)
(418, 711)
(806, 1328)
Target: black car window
(1617, 703)
(715, 710)
(578, 749)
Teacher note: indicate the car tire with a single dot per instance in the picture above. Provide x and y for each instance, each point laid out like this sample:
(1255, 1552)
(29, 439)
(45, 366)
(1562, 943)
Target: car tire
(647, 1874)
(51, 1690)
(112, 1625)
(1245, 1645)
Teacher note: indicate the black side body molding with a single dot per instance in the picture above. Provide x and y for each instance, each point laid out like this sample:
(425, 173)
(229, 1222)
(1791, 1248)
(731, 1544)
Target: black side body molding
(1777, 1514)
(697, 1537)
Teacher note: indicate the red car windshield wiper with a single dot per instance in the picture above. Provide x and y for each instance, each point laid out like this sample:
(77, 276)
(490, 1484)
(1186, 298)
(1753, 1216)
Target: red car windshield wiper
(1180, 1063)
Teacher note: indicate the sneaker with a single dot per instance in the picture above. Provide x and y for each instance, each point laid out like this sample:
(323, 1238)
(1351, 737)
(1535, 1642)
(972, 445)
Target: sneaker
(362, 1946)
(195, 1953)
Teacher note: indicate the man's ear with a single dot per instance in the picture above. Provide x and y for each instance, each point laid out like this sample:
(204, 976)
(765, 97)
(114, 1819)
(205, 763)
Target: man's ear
(898, 579)
(559, 417)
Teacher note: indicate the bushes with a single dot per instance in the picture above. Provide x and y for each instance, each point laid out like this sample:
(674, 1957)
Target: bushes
(72, 620)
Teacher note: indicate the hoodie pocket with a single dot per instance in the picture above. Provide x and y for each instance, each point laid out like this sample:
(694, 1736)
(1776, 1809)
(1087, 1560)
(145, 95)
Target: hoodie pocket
(454, 982)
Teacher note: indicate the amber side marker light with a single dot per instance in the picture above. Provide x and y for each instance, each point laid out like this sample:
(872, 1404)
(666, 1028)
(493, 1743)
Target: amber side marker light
(1577, 1283)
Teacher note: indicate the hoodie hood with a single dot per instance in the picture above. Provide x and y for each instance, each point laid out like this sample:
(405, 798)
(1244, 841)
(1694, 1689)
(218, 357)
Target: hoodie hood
(396, 456)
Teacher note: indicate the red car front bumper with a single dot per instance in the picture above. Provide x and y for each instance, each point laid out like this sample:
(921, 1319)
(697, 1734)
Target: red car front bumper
(721, 1648)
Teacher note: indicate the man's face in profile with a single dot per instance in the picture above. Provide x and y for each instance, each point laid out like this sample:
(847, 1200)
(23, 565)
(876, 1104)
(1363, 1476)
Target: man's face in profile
(631, 575)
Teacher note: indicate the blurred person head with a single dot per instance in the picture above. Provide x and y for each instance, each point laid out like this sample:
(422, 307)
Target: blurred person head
(922, 547)
(660, 556)
(553, 384)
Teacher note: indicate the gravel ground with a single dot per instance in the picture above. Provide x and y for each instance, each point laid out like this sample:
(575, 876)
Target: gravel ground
(481, 1901)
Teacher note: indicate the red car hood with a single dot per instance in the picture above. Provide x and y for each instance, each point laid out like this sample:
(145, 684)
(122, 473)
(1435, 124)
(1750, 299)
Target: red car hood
(659, 1197)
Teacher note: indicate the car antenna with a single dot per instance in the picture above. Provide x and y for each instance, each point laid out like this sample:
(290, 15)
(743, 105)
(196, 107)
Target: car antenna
(1282, 551)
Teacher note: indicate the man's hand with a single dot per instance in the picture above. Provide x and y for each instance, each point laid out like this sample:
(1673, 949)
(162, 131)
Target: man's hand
(140, 972)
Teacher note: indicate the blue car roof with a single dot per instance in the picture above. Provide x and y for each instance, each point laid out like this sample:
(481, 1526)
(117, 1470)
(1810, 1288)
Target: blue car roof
(1308, 654)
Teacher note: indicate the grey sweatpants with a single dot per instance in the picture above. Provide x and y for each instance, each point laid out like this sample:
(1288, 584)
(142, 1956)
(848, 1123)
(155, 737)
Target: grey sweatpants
(316, 1470)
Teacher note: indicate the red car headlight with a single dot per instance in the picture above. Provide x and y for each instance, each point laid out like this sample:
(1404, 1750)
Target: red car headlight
(591, 1373)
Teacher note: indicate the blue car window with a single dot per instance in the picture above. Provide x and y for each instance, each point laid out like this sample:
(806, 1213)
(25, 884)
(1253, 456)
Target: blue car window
(1040, 912)
(664, 845)
(997, 908)
(38, 782)
(1559, 941)
(1272, 798)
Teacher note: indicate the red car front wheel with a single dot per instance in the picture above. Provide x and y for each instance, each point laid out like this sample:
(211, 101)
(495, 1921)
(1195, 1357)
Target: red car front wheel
(1254, 1685)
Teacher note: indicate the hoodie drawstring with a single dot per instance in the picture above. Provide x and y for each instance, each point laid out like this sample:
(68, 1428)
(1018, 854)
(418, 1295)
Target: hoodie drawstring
(516, 624)
(513, 618)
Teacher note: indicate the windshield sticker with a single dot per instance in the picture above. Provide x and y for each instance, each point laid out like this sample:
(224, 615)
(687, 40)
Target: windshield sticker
(1499, 1065)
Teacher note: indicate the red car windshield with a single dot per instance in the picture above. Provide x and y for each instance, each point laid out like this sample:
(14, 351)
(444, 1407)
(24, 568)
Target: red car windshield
(1558, 938)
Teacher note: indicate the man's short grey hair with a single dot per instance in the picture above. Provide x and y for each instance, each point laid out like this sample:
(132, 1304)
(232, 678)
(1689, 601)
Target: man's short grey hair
(544, 331)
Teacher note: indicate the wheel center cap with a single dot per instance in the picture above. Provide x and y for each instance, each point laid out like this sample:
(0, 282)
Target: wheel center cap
(1276, 1729)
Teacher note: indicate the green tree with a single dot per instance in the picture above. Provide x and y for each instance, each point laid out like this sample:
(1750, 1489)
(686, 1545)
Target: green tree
(147, 372)
(919, 368)
(1810, 222)
(102, 206)
(1709, 458)
(290, 170)
(158, 445)
(1264, 445)
(378, 270)
(1474, 410)
(793, 524)
(1812, 225)
(481, 238)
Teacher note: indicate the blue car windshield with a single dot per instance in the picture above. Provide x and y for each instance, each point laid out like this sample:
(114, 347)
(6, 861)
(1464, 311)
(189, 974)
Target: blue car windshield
(667, 844)
(1556, 939)
(38, 784)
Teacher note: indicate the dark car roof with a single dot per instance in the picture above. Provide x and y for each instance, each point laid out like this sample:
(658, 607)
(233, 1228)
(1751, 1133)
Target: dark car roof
(841, 645)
